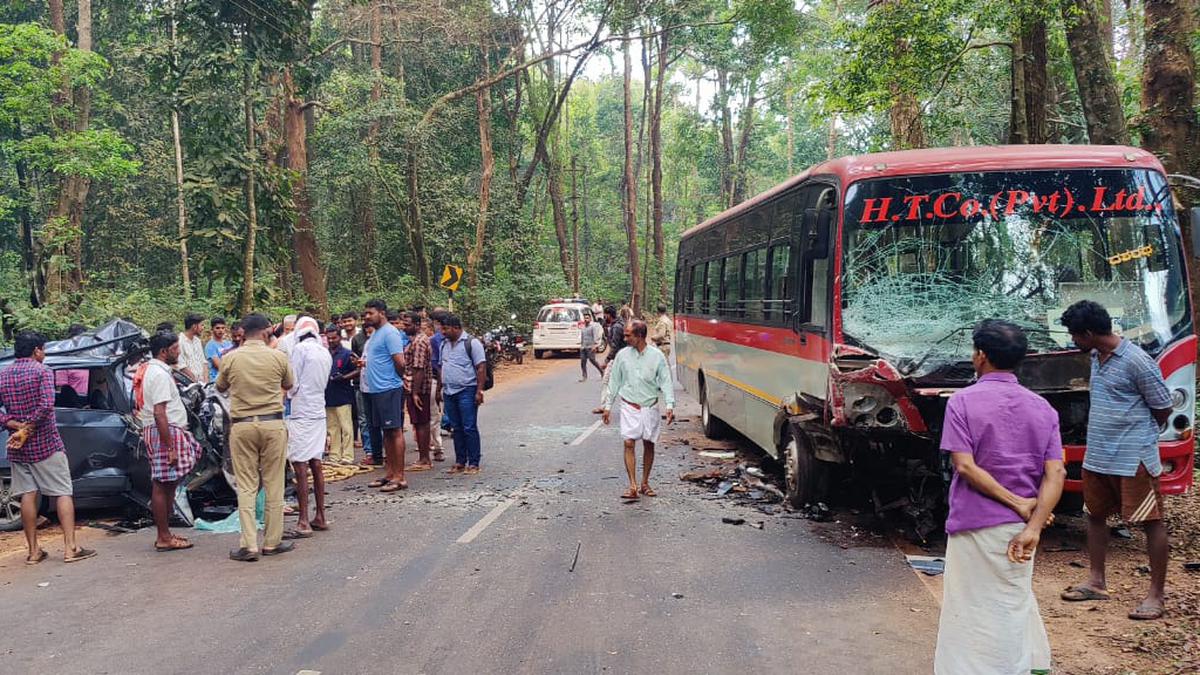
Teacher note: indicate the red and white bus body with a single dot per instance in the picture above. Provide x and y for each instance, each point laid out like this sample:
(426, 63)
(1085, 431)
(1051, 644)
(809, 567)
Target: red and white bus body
(828, 319)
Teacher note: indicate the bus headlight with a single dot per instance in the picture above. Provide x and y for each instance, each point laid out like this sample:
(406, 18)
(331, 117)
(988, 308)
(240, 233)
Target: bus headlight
(1179, 398)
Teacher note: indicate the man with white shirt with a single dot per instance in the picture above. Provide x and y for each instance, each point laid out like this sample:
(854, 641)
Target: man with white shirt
(191, 349)
(640, 379)
(311, 363)
(170, 447)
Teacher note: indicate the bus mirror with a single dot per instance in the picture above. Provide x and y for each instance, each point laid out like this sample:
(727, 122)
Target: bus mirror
(1194, 228)
(817, 223)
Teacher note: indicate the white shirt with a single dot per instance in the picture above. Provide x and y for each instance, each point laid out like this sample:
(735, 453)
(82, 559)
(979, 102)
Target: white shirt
(286, 343)
(191, 356)
(159, 387)
(311, 363)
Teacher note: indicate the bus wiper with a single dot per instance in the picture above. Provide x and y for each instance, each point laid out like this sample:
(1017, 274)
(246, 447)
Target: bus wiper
(907, 370)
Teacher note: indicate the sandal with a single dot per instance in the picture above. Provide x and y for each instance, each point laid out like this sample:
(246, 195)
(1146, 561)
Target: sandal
(649, 491)
(41, 555)
(1145, 612)
(630, 495)
(80, 553)
(419, 467)
(377, 483)
(394, 486)
(177, 544)
(297, 534)
(457, 468)
(1083, 593)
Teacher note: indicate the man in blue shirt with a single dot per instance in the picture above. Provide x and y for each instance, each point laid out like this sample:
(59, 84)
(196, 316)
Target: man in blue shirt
(1128, 404)
(464, 371)
(382, 381)
(216, 347)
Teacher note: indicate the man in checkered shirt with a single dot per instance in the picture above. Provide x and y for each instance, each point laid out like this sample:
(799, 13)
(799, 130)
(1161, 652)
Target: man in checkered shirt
(35, 450)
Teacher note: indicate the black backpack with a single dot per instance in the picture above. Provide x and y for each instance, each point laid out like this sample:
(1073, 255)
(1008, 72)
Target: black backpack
(489, 379)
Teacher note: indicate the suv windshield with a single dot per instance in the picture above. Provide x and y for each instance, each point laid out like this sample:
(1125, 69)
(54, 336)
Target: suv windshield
(559, 315)
(927, 257)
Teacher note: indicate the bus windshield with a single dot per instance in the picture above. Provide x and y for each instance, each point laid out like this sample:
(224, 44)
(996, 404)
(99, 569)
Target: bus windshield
(925, 258)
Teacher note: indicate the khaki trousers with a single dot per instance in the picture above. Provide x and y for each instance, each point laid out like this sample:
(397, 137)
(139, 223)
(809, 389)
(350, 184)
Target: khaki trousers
(339, 424)
(435, 422)
(259, 452)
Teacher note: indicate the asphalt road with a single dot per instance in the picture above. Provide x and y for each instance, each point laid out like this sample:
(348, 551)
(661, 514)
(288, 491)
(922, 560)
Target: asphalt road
(473, 575)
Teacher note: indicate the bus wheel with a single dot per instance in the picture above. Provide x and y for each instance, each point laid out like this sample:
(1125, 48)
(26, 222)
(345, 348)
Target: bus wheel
(802, 470)
(713, 426)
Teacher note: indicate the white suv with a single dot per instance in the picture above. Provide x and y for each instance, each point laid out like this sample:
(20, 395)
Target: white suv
(559, 327)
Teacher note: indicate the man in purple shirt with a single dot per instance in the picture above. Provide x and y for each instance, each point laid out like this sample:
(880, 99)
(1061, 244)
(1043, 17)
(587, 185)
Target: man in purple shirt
(1008, 475)
(35, 450)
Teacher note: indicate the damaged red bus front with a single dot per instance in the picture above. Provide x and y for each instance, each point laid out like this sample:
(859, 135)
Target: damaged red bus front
(829, 319)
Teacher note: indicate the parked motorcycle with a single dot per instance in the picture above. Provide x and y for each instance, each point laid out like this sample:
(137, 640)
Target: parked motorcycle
(504, 343)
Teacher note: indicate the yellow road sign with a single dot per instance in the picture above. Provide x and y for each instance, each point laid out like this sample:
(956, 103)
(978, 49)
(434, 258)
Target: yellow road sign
(451, 277)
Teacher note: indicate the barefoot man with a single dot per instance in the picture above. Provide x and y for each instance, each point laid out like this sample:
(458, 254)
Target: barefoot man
(640, 379)
(306, 426)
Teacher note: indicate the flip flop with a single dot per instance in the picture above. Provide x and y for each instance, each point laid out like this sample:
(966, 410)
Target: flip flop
(42, 555)
(630, 495)
(457, 468)
(1082, 593)
(80, 554)
(378, 483)
(1146, 612)
(394, 486)
(649, 491)
(297, 534)
(419, 467)
(177, 544)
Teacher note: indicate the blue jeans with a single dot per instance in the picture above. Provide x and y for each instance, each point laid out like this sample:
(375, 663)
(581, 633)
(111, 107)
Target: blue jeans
(372, 436)
(461, 409)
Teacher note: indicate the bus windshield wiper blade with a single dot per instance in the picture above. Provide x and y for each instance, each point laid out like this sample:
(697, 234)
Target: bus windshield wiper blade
(915, 365)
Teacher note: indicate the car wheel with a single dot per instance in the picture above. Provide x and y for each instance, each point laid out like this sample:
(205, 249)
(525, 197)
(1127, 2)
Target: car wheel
(803, 472)
(10, 508)
(713, 426)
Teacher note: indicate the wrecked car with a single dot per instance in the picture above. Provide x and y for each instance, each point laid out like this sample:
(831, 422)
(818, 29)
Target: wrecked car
(829, 319)
(95, 414)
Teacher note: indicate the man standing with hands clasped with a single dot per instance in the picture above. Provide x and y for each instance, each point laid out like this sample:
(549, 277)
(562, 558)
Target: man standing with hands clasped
(256, 378)
(639, 379)
(1008, 475)
(464, 372)
(1128, 402)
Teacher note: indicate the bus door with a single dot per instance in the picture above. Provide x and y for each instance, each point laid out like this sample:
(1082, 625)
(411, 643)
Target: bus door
(813, 232)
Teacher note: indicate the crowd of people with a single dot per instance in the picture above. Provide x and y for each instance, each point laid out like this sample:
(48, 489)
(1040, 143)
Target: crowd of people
(297, 392)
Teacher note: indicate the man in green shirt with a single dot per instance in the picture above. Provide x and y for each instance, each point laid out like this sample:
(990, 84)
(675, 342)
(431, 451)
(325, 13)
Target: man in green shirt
(639, 379)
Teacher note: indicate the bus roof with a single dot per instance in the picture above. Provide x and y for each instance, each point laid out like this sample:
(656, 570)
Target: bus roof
(953, 160)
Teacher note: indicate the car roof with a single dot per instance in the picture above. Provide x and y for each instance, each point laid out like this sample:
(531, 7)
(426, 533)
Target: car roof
(953, 160)
(103, 346)
(568, 305)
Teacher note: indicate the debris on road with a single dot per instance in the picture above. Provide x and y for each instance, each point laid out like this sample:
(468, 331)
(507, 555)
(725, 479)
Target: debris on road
(677, 596)
(575, 562)
(730, 520)
(927, 564)
(718, 454)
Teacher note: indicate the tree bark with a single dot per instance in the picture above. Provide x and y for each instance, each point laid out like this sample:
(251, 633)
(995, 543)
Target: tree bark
(630, 193)
(251, 206)
(416, 230)
(1018, 117)
(180, 204)
(367, 228)
(483, 106)
(656, 175)
(574, 228)
(1098, 94)
(741, 174)
(304, 237)
(904, 115)
(559, 215)
(1037, 81)
(1169, 85)
(789, 102)
(726, 131)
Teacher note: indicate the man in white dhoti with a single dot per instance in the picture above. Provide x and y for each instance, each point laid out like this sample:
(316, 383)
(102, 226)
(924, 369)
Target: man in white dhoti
(639, 379)
(1004, 442)
(306, 426)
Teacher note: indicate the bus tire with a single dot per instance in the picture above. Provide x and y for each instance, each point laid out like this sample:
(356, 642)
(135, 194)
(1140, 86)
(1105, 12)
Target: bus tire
(713, 426)
(802, 470)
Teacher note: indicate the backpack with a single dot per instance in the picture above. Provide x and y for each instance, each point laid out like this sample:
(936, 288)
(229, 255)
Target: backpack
(489, 379)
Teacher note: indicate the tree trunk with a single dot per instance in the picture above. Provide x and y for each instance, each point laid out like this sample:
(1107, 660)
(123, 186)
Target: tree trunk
(559, 215)
(1098, 94)
(1037, 81)
(831, 137)
(630, 183)
(741, 174)
(416, 234)
(789, 102)
(483, 106)
(656, 175)
(304, 237)
(367, 228)
(180, 205)
(726, 131)
(1169, 85)
(251, 207)
(574, 228)
(1018, 117)
(904, 115)
(29, 247)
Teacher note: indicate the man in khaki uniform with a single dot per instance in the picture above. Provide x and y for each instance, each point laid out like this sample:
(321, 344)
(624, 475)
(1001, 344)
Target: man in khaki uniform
(256, 377)
(661, 335)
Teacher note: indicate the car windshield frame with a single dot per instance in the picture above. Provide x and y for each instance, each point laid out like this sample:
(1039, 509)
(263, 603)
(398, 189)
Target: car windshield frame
(926, 257)
(547, 314)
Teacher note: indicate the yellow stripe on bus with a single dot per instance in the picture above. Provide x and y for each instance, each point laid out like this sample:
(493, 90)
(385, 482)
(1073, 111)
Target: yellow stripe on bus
(753, 391)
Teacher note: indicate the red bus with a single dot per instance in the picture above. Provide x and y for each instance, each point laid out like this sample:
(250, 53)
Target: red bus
(829, 319)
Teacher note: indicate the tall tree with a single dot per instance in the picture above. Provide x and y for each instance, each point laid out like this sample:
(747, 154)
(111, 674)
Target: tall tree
(629, 184)
(304, 238)
(1098, 93)
(1169, 84)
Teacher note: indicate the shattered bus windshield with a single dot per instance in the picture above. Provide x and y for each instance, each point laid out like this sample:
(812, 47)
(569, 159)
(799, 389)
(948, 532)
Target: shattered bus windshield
(927, 257)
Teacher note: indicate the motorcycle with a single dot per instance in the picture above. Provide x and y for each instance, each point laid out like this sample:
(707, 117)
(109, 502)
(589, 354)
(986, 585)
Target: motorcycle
(504, 343)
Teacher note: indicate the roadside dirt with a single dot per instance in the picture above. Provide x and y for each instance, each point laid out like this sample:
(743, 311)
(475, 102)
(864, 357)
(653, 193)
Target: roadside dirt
(510, 374)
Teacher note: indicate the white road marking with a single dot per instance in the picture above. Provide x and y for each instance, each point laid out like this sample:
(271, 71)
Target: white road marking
(490, 518)
(584, 436)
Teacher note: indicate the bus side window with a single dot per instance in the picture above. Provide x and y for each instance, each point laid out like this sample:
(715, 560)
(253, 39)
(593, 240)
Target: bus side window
(753, 265)
(731, 287)
(712, 303)
(815, 267)
(696, 289)
(779, 290)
